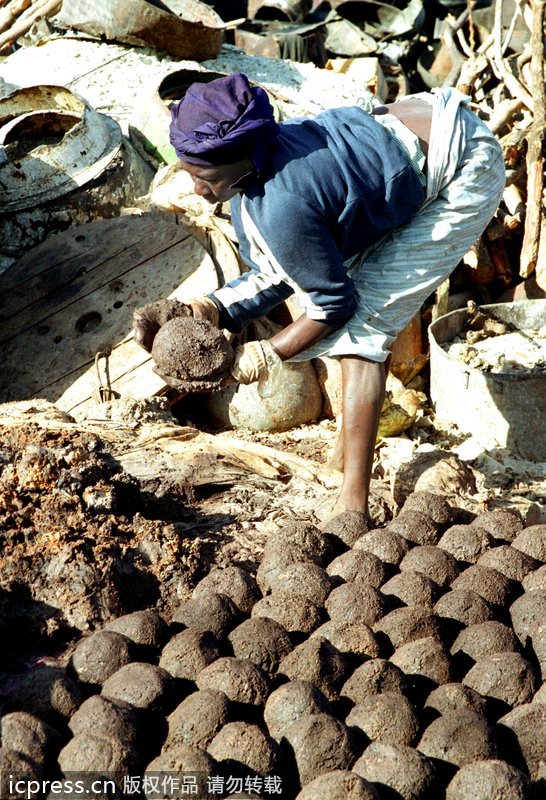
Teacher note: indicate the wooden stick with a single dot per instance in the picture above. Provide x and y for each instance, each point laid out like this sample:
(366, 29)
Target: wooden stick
(535, 141)
(27, 19)
(498, 63)
(11, 12)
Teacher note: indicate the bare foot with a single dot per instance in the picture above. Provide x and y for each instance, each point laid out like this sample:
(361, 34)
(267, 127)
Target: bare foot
(345, 503)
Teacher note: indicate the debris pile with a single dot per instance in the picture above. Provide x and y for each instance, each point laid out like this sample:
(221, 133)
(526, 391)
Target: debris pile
(421, 679)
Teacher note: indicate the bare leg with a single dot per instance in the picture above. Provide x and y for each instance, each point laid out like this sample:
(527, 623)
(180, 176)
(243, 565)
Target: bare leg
(363, 396)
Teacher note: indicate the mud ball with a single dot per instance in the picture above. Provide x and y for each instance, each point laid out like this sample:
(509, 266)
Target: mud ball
(524, 731)
(454, 697)
(109, 719)
(484, 780)
(240, 744)
(387, 545)
(146, 628)
(295, 613)
(485, 639)
(194, 352)
(304, 535)
(179, 761)
(511, 562)
(262, 641)
(210, 611)
(416, 527)
(360, 567)
(319, 663)
(465, 543)
(532, 541)
(389, 718)
(507, 677)
(190, 651)
(464, 607)
(431, 504)
(143, 685)
(459, 737)
(356, 602)
(489, 583)
(352, 639)
(527, 613)
(307, 580)
(98, 656)
(412, 589)
(424, 658)
(92, 752)
(540, 696)
(438, 565)
(398, 772)
(46, 692)
(320, 744)
(535, 580)
(29, 735)
(339, 785)
(234, 582)
(347, 527)
(290, 702)
(501, 524)
(197, 720)
(240, 680)
(408, 623)
(375, 676)
(277, 558)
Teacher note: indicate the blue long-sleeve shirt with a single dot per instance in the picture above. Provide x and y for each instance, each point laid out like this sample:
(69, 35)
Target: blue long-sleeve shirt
(332, 186)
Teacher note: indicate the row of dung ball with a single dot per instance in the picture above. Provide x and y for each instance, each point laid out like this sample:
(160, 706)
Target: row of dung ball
(264, 650)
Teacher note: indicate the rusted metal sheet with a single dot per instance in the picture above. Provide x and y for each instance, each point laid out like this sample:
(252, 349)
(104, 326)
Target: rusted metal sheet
(55, 158)
(183, 28)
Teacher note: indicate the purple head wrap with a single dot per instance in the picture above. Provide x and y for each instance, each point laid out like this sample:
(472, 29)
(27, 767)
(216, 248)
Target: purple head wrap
(222, 121)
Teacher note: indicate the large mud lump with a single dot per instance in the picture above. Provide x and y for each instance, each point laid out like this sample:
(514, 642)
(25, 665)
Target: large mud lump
(489, 583)
(424, 658)
(438, 565)
(525, 729)
(358, 565)
(347, 527)
(463, 606)
(194, 352)
(513, 563)
(307, 580)
(408, 623)
(532, 541)
(209, 612)
(146, 628)
(503, 525)
(109, 719)
(432, 504)
(29, 735)
(356, 602)
(412, 589)
(485, 639)
(416, 527)
(454, 697)
(465, 543)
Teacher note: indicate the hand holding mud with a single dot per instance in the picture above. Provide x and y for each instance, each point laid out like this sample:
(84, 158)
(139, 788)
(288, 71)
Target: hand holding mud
(253, 361)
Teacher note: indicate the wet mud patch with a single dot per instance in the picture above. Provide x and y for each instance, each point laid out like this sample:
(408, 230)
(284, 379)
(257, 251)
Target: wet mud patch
(81, 541)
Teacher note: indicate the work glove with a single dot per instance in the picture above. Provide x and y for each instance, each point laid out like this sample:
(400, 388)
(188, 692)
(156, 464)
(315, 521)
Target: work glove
(148, 319)
(253, 361)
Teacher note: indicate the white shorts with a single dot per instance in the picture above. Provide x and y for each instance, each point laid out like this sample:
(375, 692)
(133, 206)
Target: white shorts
(393, 278)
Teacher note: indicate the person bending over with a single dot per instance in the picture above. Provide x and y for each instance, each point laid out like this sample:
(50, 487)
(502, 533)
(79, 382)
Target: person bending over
(361, 211)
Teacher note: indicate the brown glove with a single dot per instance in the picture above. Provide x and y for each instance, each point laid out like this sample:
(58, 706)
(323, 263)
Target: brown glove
(205, 308)
(253, 361)
(148, 319)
